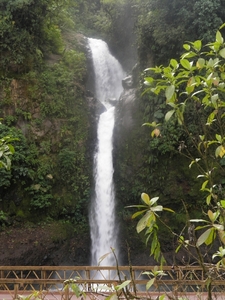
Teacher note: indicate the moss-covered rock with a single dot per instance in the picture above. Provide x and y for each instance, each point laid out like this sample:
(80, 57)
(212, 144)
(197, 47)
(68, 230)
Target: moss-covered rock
(54, 118)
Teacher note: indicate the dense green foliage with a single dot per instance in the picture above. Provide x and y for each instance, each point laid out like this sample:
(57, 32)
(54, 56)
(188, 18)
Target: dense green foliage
(6, 150)
(197, 80)
(29, 30)
(44, 106)
(43, 69)
(155, 165)
(165, 24)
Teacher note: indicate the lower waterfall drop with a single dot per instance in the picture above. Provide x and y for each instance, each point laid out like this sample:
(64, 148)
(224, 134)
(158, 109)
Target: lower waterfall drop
(108, 85)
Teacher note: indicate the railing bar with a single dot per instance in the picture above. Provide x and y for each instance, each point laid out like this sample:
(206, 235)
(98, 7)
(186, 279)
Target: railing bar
(55, 273)
(72, 275)
(55, 281)
(93, 274)
(14, 273)
(28, 274)
(183, 277)
(166, 268)
(7, 274)
(36, 275)
(78, 274)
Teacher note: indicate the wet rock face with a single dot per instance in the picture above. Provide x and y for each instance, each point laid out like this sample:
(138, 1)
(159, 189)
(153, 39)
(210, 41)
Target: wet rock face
(112, 101)
(131, 81)
(125, 109)
(42, 245)
(95, 106)
(127, 82)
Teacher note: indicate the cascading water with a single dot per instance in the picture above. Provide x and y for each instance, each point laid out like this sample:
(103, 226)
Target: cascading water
(108, 85)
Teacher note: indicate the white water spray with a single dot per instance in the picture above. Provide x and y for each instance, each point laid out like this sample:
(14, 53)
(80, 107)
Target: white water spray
(108, 85)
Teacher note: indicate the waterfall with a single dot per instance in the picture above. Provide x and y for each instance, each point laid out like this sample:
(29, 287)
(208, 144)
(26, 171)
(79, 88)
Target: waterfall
(108, 85)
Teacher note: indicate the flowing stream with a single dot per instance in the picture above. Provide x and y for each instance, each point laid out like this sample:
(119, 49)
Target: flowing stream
(108, 85)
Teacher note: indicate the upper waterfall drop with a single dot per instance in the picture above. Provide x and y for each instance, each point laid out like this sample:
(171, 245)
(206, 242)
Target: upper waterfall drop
(108, 84)
(108, 72)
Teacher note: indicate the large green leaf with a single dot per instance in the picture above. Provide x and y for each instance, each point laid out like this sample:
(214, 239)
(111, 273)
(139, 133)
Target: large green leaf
(220, 151)
(123, 285)
(76, 289)
(181, 242)
(186, 47)
(143, 222)
(145, 198)
(219, 227)
(207, 237)
(189, 54)
(219, 37)
(211, 118)
(197, 45)
(213, 217)
(153, 200)
(168, 209)
(200, 63)
(149, 81)
(174, 63)
(169, 114)
(204, 185)
(157, 208)
(138, 213)
(150, 283)
(185, 63)
(222, 53)
(169, 92)
(208, 199)
(201, 227)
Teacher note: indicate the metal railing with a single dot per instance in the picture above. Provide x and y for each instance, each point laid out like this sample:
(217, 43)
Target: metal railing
(20, 280)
